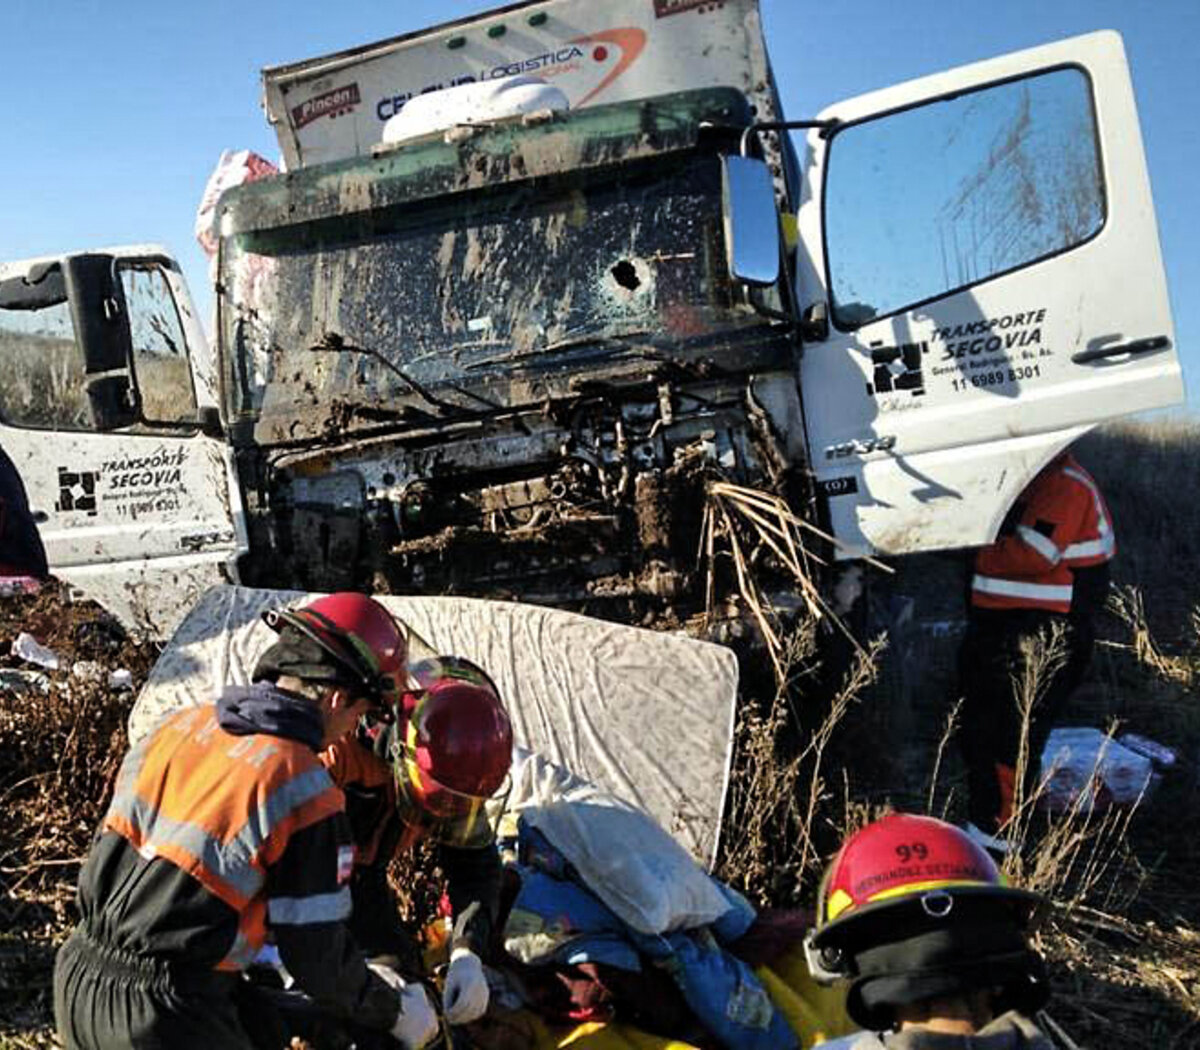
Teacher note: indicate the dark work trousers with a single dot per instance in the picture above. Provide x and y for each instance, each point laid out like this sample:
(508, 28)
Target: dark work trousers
(990, 666)
(106, 998)
(21, 550)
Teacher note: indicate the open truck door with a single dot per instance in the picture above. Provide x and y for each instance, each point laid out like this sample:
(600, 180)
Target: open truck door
(984, 243)
(108, 411)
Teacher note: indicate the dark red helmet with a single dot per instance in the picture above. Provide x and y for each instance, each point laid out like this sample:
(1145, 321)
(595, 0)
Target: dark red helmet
(455, 750)
(912, 908)
(361, 636)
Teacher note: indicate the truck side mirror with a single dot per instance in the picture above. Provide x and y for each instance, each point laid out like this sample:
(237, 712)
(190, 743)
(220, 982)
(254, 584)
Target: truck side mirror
(751, 221)
(98, 313)
(102, 332)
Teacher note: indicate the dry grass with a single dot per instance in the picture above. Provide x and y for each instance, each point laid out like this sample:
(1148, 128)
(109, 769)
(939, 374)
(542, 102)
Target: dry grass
(759, 535)
(59, 753)
(1122, 938)
(782, 814)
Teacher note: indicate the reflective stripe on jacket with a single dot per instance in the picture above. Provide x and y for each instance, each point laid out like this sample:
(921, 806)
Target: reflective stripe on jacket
(1062, 524)
(222, 808)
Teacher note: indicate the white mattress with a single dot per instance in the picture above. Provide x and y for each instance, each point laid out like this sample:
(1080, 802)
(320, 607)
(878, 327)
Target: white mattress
(645, 715)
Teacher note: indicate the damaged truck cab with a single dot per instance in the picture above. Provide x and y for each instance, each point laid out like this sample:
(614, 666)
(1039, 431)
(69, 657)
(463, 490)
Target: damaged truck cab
(504, 360)
(509, 356)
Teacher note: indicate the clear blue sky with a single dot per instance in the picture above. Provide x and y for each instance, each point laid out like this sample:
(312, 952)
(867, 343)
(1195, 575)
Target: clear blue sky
(117, 110)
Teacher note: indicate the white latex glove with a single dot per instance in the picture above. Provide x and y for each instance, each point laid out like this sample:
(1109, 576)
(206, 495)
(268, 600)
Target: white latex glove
(417, 1023)
(465, 996)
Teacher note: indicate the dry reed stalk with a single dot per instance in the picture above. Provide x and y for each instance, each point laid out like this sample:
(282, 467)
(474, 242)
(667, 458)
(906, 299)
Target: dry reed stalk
(951, 727)
(862, 674)
(751, 522)
(1041, 658)
(776, 806)
(1127, 605)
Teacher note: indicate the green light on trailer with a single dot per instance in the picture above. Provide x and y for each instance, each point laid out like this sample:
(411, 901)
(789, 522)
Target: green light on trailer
(456, 42)
(497, 30)
(538, 18)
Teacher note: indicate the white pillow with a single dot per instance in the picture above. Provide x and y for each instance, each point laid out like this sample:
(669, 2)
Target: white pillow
(620, 852)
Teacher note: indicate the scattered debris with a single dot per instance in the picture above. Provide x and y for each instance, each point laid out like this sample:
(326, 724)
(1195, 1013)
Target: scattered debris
(62, 737)
(26, 647)
(1086, 769)
(19, 682)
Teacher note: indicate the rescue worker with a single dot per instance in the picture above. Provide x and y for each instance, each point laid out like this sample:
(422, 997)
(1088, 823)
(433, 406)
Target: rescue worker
(1050, 565)
(915, 916)
(22, 555)
(428, 776)
(224, 829)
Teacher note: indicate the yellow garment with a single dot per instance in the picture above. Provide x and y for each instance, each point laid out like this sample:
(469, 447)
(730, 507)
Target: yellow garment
(814, 1012)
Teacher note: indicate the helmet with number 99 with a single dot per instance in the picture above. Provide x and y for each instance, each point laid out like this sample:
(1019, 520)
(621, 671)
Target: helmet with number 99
(910, 909)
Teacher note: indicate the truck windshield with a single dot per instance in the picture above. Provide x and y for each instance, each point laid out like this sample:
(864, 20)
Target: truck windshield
(477, 301)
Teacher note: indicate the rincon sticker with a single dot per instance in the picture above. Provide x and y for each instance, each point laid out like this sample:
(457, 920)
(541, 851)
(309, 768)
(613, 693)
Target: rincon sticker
(332, 103)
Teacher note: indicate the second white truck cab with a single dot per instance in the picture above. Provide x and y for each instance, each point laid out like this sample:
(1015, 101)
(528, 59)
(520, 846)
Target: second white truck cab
(108, 410)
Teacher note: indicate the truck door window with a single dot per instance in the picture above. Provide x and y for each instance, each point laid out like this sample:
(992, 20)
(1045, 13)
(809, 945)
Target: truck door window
(160, 361)
(41, 369)
(937, 198)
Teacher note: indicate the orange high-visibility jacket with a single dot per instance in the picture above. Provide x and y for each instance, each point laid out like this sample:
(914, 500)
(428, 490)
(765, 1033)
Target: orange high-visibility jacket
(222, 808)
(473, 875)
(1062, 524)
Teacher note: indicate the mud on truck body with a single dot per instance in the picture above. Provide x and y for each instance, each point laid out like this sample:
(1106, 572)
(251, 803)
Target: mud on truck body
(503, 363)
(507, 358)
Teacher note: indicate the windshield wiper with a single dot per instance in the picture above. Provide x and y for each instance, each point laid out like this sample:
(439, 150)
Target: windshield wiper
(574, 343)
(335, 342)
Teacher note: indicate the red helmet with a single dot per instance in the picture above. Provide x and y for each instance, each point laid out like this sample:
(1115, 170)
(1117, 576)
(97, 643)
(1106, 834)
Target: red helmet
(911, 907)
(455, 752)
(360, 634)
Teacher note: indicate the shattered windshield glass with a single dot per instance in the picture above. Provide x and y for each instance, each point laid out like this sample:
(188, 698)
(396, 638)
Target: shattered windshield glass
(476, 301)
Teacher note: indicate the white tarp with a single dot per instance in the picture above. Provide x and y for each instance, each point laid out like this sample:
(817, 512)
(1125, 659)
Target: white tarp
(644, 715)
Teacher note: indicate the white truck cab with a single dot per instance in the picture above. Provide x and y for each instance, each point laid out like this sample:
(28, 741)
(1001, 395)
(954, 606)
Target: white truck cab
(108, 410)
(976, 281)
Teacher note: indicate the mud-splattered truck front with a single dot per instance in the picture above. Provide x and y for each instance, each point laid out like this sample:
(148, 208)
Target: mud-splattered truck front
(502, 361)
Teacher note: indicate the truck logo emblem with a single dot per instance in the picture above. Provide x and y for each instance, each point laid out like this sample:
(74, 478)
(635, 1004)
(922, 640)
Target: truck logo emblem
(897, 368)
(77, 490)
(629, 40)
(332, 103)
(626, 42)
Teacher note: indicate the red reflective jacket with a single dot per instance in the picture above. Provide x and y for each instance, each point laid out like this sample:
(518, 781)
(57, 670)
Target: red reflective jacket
(1062, 524)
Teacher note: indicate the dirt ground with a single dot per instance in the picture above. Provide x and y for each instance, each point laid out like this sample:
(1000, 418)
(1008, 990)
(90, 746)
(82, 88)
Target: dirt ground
(1124, 940)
